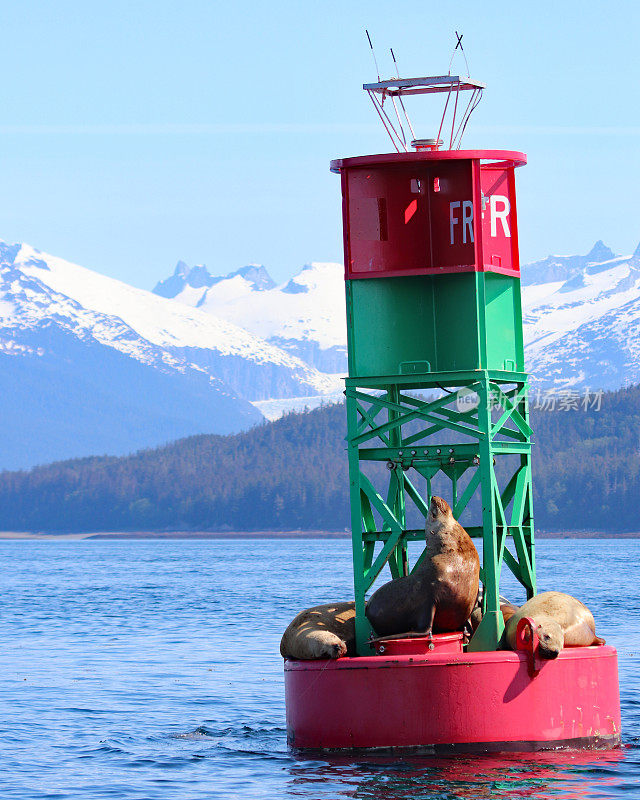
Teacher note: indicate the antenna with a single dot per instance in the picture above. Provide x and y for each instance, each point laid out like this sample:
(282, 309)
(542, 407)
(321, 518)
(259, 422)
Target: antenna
(395, 62)
(464, 55)
(373, 53)
(404, 110)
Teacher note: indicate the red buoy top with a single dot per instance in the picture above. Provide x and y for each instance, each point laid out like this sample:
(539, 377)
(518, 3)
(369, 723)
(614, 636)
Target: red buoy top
(430, 212)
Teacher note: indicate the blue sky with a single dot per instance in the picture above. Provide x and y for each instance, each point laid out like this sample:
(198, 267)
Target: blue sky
(136, 133)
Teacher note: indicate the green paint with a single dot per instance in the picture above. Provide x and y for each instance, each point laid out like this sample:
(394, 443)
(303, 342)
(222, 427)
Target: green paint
(439, 323)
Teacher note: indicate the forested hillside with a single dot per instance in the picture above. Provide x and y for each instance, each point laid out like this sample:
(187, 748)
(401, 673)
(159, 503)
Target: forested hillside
(292, 474)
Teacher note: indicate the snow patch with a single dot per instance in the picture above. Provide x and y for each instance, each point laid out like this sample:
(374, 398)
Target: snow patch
(274, 409)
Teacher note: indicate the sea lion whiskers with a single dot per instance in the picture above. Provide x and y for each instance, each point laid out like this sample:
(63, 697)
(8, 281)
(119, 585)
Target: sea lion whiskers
(550, 638)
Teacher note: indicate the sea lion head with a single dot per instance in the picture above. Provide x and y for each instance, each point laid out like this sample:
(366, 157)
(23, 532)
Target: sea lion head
(439, 513)
(550, 639)
(337, 650)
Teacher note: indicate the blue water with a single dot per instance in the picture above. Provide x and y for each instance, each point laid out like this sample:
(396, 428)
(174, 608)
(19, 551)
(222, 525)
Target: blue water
(140, 669)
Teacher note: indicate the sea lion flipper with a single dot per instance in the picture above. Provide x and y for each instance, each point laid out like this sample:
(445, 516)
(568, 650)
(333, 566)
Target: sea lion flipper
(425, 618)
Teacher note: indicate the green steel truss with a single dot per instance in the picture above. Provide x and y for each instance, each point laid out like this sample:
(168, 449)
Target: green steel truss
(388, 423)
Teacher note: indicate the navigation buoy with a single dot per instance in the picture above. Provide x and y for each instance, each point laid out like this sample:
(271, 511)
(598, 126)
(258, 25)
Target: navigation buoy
(432, 280)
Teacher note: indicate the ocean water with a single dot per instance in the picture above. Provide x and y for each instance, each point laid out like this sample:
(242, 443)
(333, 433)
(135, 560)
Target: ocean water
(141, 669)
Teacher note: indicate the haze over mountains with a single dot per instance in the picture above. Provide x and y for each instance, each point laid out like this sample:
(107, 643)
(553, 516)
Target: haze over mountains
(93, 366)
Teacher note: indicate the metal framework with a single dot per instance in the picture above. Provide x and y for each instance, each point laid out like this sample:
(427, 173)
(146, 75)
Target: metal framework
(396, 89)
(429, 313)
(426, 85)
(388, 423)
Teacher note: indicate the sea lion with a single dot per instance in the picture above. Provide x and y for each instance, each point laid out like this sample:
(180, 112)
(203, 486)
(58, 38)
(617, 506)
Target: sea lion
(561, 619)
(440, 594)
(508, 610)
(475, 618)
(326, 631)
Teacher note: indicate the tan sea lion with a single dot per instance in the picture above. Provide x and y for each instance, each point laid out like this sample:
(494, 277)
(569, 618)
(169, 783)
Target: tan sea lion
(561, 619)
(326, 631)
(440, 594)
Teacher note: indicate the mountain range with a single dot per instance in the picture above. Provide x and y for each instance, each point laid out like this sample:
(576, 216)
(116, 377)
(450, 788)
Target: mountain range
(91, 365)
(304, 316)
(581, 314)
(581, 317)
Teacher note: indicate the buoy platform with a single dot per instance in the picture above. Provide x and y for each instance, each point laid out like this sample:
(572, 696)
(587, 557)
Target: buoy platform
(442, 699)
(434, 318)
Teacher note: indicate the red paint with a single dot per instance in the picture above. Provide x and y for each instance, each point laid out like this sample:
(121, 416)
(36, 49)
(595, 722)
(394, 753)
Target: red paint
(499, 157)
(527, 641)
(449, 698)
(440, 643)
(498, 195)
(410, 210)
(430, 212)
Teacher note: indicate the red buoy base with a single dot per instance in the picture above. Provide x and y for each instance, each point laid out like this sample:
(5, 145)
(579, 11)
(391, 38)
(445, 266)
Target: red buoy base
(443, 700)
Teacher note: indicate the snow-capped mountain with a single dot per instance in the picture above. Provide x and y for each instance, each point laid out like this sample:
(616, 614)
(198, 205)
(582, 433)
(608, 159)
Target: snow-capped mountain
(92, 365)
(196, 280)
(582, 320)
(304, 316)
(561, 268)
(581, 315)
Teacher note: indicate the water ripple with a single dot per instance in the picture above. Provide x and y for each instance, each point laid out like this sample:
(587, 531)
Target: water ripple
(140, 670)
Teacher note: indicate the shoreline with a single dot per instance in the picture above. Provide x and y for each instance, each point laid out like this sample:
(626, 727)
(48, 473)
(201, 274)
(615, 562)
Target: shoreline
(235, 535)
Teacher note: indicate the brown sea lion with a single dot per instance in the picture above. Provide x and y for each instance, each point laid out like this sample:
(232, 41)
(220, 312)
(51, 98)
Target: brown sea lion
(440, 594)
(561, 619)
(326, 631)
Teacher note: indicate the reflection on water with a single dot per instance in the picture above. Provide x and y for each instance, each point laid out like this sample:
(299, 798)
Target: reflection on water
(555, 775)
(140, 670)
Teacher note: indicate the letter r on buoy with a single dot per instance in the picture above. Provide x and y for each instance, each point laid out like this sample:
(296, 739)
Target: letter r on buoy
(500, 214)
(467, 221)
